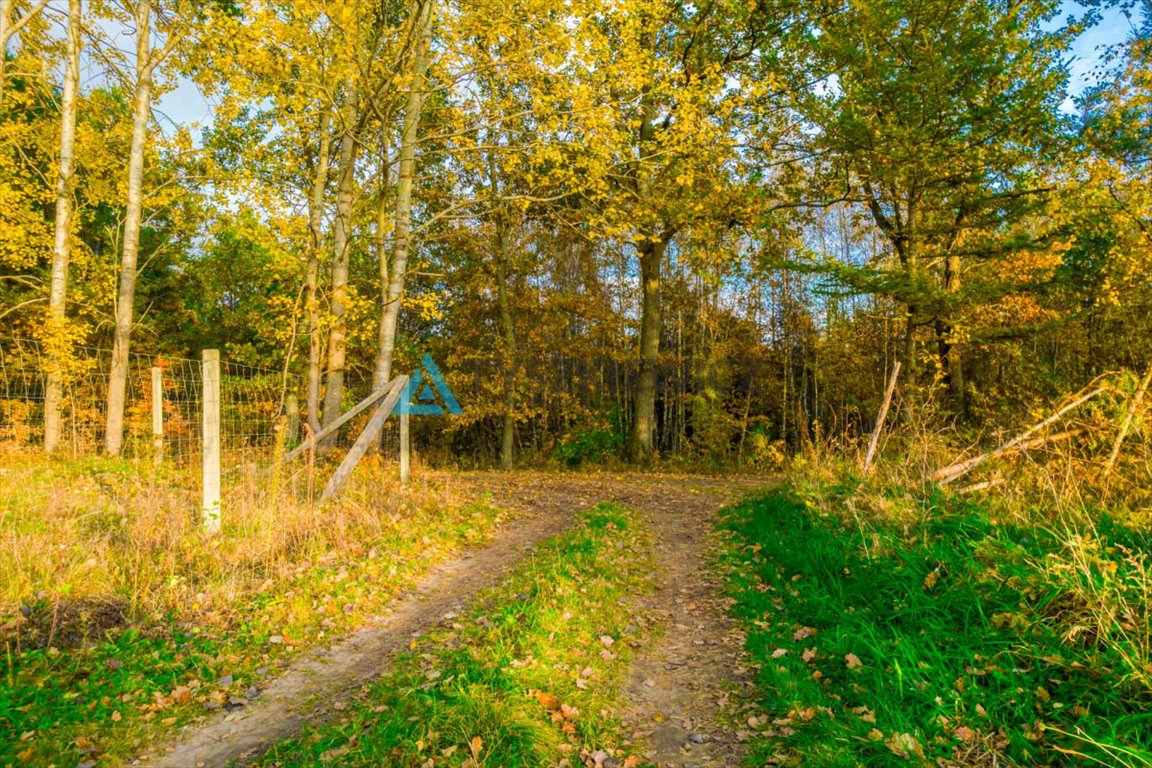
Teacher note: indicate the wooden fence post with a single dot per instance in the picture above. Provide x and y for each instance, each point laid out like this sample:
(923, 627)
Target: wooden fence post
(210, 439)
(292, 411)
(157, 415)
(405, 445)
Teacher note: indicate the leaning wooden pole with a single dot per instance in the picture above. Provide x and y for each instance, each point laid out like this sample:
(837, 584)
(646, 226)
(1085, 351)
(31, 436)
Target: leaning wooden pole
(881, 418)
(1129, 416)
(947, 474)
(369, 437)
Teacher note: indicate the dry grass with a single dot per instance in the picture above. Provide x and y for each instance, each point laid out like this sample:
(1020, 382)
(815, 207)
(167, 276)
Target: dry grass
(88, 545)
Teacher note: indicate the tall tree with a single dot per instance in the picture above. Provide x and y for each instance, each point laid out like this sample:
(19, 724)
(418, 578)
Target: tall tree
(934, 118)
(422, 16)
(56, 334)
(148, 58)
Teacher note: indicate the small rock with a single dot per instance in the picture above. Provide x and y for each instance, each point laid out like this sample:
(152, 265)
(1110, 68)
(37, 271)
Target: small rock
(601, 759)
(696, 738)
(276, 639)
(225, 681)
(253, 693)
(113, 664)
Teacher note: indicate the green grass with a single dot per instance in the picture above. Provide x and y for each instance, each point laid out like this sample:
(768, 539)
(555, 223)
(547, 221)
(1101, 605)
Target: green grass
(524, 680)
(941, 643)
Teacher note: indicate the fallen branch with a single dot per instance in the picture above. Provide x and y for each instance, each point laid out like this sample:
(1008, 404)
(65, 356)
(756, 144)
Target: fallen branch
(1129, 415)
(880, 417)
(947, 474)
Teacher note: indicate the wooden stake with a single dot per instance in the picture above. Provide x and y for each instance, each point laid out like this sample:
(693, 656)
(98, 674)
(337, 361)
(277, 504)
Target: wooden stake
(210, 440)
(880, 418)
(292, 424)
(1129, 415)
(369, 437)
(157, 415)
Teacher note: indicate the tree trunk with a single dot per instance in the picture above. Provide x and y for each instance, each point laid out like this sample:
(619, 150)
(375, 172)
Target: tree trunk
(316, 225)
(644, 418)
(390, 314)
(126, 296)
(5, 15)
(56, 333)
(953, 358)
(382, 215)
(507, 442)
(345, 192)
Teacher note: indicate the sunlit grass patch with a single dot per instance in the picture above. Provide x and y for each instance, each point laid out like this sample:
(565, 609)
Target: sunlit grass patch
(120, 618)
(941, 643)
(528, 677)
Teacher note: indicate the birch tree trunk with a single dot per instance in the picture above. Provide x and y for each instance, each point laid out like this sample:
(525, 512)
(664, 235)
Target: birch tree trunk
(126, 295)
(60, 246)
(316, 225)
(390, 314)
(341, 232)
(383, 212)
(5, 15)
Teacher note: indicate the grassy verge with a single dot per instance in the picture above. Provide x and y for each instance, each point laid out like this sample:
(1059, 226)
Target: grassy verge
(527, 678)
(119, 618)
(949, 640)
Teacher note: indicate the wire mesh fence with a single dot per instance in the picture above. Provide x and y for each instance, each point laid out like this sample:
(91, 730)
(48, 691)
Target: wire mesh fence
(251, 404)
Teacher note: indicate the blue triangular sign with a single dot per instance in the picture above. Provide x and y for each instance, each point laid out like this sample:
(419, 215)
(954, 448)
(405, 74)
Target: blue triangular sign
(422, 398)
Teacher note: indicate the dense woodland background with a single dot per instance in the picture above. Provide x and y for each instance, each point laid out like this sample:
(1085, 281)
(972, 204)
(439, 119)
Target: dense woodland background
(622, 227)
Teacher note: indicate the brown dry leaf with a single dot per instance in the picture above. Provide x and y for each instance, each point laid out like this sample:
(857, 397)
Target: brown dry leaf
(475, 746)
(547, 700)
(964, 733)
(181, 694)
(852, 660)
(808, 655)
(116, 717)
(804, 633)
(779, 652)
(931, 579)
(904, 745)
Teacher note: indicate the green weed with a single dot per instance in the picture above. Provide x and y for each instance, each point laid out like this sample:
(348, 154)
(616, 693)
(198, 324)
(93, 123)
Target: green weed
(934, 642)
